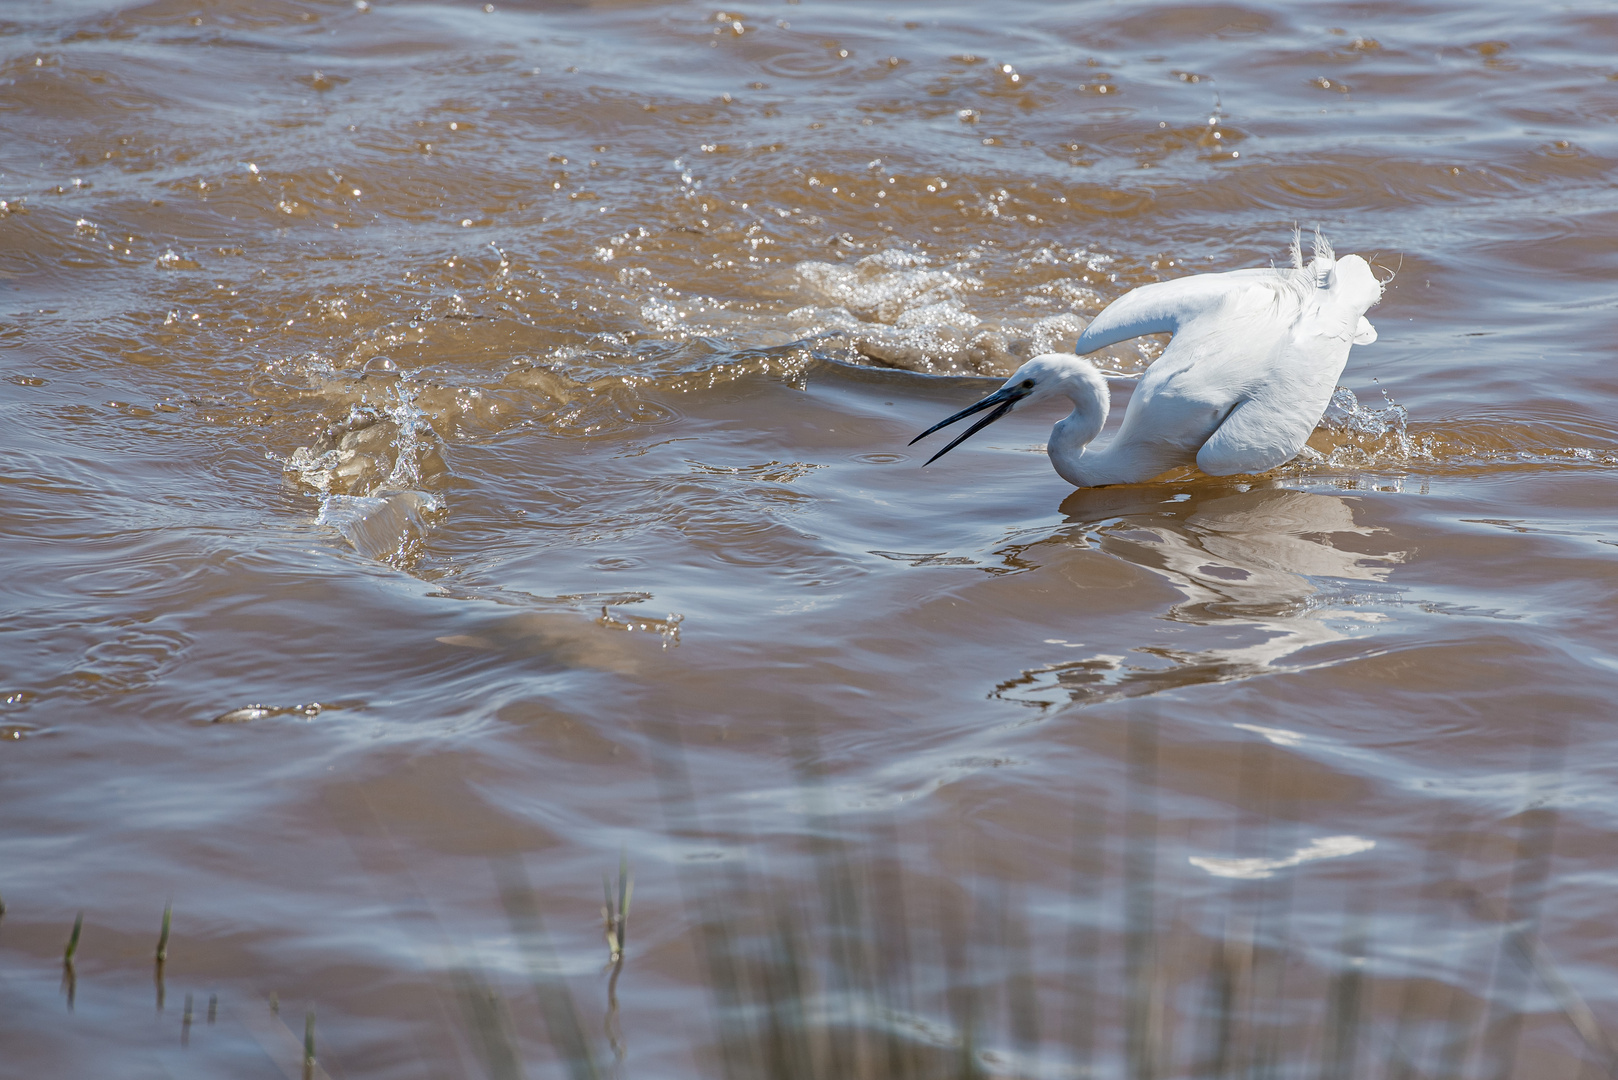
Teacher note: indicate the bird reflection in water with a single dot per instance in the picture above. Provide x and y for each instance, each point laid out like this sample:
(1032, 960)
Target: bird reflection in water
(1274, 568)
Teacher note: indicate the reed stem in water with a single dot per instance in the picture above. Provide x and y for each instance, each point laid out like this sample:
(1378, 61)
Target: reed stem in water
(73, 940)
(163, 935)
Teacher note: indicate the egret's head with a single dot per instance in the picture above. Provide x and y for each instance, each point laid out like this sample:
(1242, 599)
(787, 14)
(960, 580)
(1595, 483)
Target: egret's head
(1054, 375)
(1044, 376)
(1349, 277)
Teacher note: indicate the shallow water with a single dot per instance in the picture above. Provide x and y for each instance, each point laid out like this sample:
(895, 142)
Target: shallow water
(445, 439)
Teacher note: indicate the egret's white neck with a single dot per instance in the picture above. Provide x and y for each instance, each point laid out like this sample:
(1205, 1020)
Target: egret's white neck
(1072, 435)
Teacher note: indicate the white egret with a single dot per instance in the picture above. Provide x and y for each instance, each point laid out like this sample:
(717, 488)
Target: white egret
(1252, 365)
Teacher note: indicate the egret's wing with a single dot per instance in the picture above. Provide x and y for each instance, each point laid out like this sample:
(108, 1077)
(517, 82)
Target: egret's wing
(1168, 306)
(1256, 437)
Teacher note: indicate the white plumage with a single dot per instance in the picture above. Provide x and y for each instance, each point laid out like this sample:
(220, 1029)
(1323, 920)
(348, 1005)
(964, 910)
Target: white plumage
(1249, 371)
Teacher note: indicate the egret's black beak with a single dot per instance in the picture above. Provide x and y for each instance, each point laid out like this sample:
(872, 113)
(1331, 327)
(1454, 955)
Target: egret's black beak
(1001, 401)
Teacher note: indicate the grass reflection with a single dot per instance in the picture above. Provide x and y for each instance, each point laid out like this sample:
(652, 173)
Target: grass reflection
(855, 949)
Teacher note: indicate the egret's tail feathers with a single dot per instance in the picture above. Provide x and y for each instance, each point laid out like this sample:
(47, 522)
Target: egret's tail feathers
(1297, 246)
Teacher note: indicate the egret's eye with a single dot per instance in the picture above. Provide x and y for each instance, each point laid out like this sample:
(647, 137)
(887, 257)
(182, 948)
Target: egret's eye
(1028, 384)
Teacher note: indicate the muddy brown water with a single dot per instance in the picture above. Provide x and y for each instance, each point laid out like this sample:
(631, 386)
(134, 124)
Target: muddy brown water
(447, 446)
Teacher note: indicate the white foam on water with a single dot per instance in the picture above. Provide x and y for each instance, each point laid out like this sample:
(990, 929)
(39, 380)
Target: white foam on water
(1278, 736)
(899, 309)
(1326, 847)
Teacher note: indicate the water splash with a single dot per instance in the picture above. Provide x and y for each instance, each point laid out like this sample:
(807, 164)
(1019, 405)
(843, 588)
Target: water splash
(1359, 435)
(387, 528)
(415, 441)
(1353, 435)
(373, 472)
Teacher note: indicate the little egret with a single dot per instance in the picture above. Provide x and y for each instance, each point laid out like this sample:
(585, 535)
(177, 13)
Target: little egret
(1252, 365)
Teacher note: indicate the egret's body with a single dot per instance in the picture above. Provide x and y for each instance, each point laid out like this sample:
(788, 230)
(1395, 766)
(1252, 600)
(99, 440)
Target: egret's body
(1249, 371)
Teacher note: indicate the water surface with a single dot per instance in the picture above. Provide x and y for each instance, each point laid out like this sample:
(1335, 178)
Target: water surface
(451, 445)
